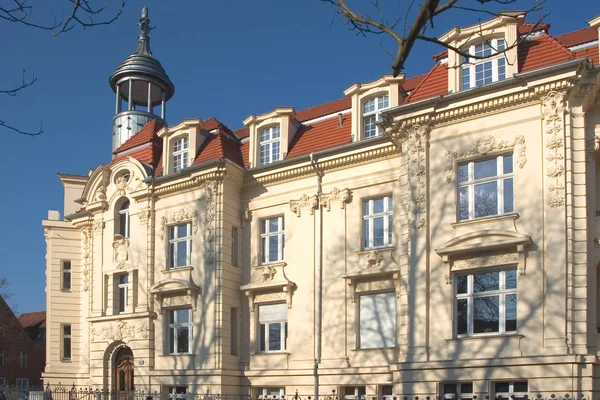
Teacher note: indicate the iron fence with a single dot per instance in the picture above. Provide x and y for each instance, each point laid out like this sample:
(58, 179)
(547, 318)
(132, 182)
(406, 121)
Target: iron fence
(60, 392)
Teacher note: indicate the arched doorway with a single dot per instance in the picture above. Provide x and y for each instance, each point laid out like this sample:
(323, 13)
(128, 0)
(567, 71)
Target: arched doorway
(124, 370)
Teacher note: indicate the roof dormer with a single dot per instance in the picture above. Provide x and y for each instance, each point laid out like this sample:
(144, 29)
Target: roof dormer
(181, 143)
(270, 135)
(494, 40)
(368, 100)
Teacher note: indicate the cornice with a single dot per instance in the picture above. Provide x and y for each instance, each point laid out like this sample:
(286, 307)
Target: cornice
(191, 183)
(326, 165)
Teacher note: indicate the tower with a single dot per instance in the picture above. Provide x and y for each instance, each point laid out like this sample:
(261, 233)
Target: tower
(142, 88)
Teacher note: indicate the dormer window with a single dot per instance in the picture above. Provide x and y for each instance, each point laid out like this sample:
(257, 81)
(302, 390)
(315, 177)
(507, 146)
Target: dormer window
(269, 144)
(478, 72)
(124, 219)
(372, 114)
(180, 154)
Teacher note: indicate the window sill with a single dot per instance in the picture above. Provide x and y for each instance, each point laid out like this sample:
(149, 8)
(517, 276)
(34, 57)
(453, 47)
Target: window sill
(274, 264)
(66, 361)
(496, 345)
(375, 348)
(272, 353)
(486, 336)
(171, 270)
(490, 218)
(177, 355)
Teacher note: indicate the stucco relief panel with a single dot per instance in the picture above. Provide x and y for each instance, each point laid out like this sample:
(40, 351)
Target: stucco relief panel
(553, 117)
(120, 330)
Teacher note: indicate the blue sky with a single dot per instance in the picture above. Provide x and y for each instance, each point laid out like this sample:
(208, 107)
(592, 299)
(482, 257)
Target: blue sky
(227, 58)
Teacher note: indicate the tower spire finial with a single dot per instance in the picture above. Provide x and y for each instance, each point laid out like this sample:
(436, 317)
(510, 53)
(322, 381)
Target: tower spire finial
(143, 45)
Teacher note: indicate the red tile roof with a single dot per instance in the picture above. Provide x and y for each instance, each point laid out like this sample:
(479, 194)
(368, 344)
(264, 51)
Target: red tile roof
(217, 146)
(324, 109)
(32, 319)
(242, 132)
(144, 135)
(581, 36)
(542, 51)
(320, 136)
(245, 149)
(435, 83)
(411, 83)
(589, 52)
(528, 27)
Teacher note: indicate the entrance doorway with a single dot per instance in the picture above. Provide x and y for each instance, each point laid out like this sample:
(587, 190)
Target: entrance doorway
(124, 370)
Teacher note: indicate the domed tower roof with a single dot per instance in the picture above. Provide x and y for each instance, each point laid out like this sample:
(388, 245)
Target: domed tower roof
(141, 63)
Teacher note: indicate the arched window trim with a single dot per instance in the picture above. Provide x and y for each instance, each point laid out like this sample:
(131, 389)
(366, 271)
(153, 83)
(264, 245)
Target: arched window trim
(123, 220)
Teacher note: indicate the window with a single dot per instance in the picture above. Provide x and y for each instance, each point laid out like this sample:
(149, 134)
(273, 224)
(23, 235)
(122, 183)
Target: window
(1, 357)
(124, 219)
(372, 114)
(233, 329)
(234, 246)
(377, 222)
(180, 154)
(66, 275)
(387, 392)
(179, 330)
(485, 187)
(462, 391)
(22, 382)
(177, 392)
(272, 239)
(123, 293)
(66, 339)
(180, 245)
(377, 319)
(510, 390)
(354, 392)
(270, 393)
(478, 72)
(2, 382)
(486, 302)
(269, 144)
(272, 320)
(22, 359)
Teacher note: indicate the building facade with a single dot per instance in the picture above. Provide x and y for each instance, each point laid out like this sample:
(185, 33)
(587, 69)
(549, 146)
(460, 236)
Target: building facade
(422, 236)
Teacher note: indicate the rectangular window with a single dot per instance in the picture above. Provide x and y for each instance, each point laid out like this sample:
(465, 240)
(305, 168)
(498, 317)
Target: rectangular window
(233, 330)
(123, 292)
(180, 154)
(387, 392)
(22, 359)
(272, 239)
(485, 187)
(372, 114)
(3, 382)
(377, 319)
(180, 245)
(177, 392)
(22, 382)
(511, 390)
(66, 342)
(377, 222)
(486, 302)
(234, 246)
(272, 321)
(482, 71)
(458, 390)
(269, 145)
(354, 392)
(270, 393)
(179, 331)
(1, 357)
(66, 275)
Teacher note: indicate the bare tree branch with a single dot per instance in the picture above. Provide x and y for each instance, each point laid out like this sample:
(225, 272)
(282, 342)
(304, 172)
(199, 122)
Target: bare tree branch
(27, 80)
(415, 26)
(5, 292)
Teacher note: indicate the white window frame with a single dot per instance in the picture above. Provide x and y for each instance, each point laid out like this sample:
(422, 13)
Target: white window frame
(173, 328)
(266, 234)
(471, 182)
(124, 217)
(511, 394)
(66, 275)
(370, 216)
(374, 112)
(172, 392)
(471, 64)
(22, 359)
(271, 142)
(122, 287)
(22, 382)
(174, 240)
(264, 341)
(500, 293)
(180, 156)
(65, 336)
(262, 392)
(458, 394)
(360, 392)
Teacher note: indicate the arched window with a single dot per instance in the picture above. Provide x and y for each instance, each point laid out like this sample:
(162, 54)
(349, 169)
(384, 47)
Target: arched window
(123, 219)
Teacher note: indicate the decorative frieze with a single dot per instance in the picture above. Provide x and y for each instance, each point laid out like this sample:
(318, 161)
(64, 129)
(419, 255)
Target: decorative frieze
(483, 146)
(342, 196)
(417, 137)
(86, 255)
(269, 297)
(305, 201)
(487, 260)
(179, 215)
(176, 301)
(119, 330)
(144, 216)
(373, 286)
(553, 116)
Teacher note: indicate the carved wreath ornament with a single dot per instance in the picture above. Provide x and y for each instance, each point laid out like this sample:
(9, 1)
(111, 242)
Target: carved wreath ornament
(179, 216)
(484, 146)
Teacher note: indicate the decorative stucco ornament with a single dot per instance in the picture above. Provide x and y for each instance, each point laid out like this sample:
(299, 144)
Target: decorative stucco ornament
(179, 215)
(305, 201)
(553, 115)
(100, 194)
(374, 259)
(119, 330)
(344, 196)
(121, 254)
(268, 273)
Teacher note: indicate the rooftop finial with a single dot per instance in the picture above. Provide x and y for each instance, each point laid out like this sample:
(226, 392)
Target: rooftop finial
(143, 46)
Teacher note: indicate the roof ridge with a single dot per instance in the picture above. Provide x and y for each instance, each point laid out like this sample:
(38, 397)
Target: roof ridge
(559, 44)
